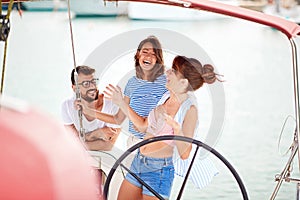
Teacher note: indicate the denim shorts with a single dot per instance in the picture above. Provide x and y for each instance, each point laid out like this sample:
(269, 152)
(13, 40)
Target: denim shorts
(158, 173)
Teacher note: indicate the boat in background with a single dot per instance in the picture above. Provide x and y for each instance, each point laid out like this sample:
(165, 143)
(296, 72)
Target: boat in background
(54, 5)
(148, 11)
(83, 8)
(98, 8)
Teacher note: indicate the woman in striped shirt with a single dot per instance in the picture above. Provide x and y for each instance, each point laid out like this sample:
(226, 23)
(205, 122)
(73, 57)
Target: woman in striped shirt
(142, 91)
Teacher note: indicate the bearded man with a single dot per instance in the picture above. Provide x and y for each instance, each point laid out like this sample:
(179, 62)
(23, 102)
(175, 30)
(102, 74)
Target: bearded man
(98, 134)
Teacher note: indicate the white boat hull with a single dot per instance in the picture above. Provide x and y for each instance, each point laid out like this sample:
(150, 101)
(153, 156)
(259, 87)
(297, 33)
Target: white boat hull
(45, 5)
(98, 7)
(148, 11)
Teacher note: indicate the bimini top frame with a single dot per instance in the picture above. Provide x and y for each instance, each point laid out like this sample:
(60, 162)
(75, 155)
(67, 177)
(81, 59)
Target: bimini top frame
(290, 29)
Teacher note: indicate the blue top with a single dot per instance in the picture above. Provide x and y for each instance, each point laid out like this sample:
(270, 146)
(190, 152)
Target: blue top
(144, 95)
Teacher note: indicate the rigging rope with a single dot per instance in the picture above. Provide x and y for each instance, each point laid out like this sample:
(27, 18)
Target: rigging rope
(71, 34)
(280, 137)
(5, 25)
(3, 67)
(78, 96)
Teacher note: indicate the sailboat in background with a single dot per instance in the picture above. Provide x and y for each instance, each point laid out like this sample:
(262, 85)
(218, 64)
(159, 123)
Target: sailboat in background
(78, 7)
(288, 9)
(45, 5)
(98, 8)
(146, 11)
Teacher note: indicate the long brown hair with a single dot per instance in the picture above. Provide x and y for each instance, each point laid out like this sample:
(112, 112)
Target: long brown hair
(159, 67)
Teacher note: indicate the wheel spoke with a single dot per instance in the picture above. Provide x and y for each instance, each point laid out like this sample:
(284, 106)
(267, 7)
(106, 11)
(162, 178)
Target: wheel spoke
(179, 138)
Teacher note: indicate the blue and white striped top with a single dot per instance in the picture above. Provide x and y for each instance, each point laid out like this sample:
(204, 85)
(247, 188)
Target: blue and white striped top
(144, 96)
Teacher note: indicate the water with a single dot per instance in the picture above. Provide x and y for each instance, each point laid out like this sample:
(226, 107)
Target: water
(255, 61)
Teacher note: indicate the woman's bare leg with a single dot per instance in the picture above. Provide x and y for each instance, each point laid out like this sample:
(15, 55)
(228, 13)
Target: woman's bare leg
(129, 191)
(146, 197)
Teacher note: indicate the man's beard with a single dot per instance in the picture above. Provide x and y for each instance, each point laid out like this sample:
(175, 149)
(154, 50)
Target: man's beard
(90, 99)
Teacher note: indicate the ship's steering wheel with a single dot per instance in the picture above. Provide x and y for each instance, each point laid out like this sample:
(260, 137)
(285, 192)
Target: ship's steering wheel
(179, 138)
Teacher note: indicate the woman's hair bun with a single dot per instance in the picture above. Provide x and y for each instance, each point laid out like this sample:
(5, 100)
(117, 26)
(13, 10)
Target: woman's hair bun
(208, 74)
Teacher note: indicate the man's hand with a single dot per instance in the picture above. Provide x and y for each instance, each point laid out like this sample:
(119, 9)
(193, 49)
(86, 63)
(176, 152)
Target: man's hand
(90, 109)
(86, 109)
(105, 133)
(110, 132)
(102, 139)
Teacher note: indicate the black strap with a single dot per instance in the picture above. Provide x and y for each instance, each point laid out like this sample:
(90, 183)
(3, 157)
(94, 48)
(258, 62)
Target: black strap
(4, 27)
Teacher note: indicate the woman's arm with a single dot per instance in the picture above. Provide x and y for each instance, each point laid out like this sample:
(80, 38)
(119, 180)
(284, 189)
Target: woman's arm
(187, 130)
(115, 94)
(118, 118)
